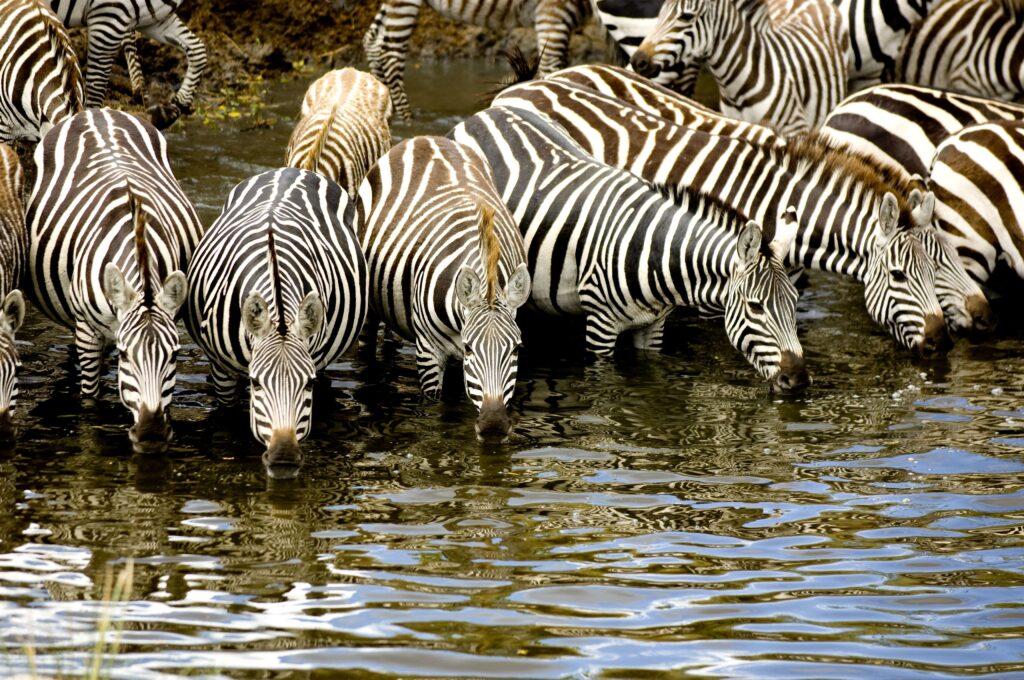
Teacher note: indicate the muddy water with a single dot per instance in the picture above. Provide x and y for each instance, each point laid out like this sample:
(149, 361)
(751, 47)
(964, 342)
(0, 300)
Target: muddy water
(649, 516)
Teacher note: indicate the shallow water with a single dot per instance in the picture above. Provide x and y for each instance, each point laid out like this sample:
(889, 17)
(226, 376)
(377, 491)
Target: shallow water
(649, 516)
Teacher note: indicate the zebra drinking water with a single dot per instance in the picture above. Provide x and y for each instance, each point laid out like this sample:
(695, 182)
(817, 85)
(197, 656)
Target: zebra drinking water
(40, 84)
(447, 269)
(343, 127)
(278, 287)
(111, 23)
(13, 244)
(109, 233)
(604, 244)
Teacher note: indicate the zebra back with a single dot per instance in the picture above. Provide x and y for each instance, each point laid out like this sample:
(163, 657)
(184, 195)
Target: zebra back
(40, 81)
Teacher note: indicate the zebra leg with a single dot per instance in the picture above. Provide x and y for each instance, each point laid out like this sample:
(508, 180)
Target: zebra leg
(387, 46)
(90, 346)
(431, 369)
(601, 333)
(649, 338)
(131, 57)
(368, 336)
(554, 22)
(173, 31)
(105, 36)
(226, 385)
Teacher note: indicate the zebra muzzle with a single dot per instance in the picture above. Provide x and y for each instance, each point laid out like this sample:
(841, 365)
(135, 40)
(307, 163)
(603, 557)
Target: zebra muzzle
(936, 336)
(283, 457)
(792, 376)
(493, 421)
(643, 63)
(983, 319)
(6, 424)
(151, 428)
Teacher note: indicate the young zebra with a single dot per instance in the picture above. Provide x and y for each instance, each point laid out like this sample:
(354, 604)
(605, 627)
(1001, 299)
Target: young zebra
(109, 233)
(40, 84)
(447, 269)
(977, 179)
(900, 126)
(386, 42)
(13, 243)
(602, 243)
(830, 193)
(111, 23)
(789, 74)
(971, 46)
(278, 292)
(343, 128)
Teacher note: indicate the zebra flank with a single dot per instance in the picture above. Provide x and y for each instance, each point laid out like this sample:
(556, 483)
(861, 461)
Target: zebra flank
(970, 46)
(447, 269)
(40, 82)
(13, 244)
(606, 245)
(111, 24)
(109, 233)
(277, 292)
(788, 74)
(343, 127)
(386, 42)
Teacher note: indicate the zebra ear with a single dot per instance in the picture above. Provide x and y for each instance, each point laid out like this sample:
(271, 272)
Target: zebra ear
(785, 233)
(13, 313)
(888, 215)
(256, 315)
(922, 210)
(468, 288)
(172, 294)
(310, 317)
(749, 244)
(117, 289)
(517, 290)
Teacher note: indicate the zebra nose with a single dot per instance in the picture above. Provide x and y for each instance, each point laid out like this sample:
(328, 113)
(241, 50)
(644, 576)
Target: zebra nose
(983, 319)
(643, 64)
(493, 422)
(151, 429)
(6, 424)
(792, 376)
(283, 457)
(936, 336)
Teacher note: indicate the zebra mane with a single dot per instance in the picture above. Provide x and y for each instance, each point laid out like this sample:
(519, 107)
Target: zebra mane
(683, 197)
(523, 71)
(490, 248)
(316, 151)
(275, 280)
(56, 34)
(141, 249)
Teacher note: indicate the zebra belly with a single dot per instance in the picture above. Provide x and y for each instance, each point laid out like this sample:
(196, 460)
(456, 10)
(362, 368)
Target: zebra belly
(516, 13)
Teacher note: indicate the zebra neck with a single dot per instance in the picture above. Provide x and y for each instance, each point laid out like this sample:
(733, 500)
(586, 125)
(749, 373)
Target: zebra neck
(736, 47)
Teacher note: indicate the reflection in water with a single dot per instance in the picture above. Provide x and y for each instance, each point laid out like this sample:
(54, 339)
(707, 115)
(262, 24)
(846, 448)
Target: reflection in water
(649, 514)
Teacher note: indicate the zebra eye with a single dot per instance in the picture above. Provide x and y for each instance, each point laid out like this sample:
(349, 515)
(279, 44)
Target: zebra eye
(255, 384)
(755, 306)
(687, 16)
(515, 350)
(467, 352)
(898, 275)
(309, 384)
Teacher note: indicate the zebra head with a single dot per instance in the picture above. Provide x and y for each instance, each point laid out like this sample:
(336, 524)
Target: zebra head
(12, 314)
(760, 311)
(963, 303)
(899, 287)
(147, 346)
(678, 37)
(281, 373)
(490, 344)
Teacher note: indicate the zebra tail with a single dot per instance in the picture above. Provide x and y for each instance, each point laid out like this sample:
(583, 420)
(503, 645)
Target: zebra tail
(74, 88)
(523, 71)
(141, 249)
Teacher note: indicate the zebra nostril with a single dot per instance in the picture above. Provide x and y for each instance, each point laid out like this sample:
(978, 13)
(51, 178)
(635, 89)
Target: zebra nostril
(642, 64)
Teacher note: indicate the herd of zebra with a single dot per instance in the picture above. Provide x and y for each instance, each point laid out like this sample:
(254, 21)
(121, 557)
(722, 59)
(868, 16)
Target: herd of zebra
(590, 191)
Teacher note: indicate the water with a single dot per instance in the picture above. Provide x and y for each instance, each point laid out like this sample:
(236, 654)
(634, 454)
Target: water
(649, 516)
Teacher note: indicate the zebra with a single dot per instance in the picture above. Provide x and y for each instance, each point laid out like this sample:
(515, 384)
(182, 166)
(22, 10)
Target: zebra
(343, 127)
(13, 244)
(386, 42)
(790, 74)
(40, 83)
(111, 24)
(447, 269)
(109, 233)
(841, 209)
(877, 28)
(976, 176)
(277, 292)
(971, 46)
(604, 244)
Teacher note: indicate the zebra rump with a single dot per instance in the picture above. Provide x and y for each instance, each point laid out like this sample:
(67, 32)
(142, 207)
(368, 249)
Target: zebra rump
(343, 127)
(447, 269)
(604, 244)
(40, 83)
(13, 244)
(277, 292)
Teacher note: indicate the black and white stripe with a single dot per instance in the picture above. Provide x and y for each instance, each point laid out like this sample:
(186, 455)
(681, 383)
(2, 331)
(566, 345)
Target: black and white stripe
(971, 46)
(789, 74)
(40, 84)
(343, 127)
(447, 269)
(877, 28)
(111, 23)
(387, 40)
(109, 233)
(604, 244)
(278, 288)
(13, 244)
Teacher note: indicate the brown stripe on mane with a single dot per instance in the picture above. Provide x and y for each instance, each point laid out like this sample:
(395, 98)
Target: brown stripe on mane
(275, 280)
(141, 249)
(490, 248)
(312, 159)
(58, 36)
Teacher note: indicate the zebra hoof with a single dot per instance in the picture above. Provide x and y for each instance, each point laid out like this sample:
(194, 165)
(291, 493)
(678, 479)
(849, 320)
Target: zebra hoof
(163, 115)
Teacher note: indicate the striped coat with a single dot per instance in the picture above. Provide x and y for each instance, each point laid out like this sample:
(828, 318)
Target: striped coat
(13, 244)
